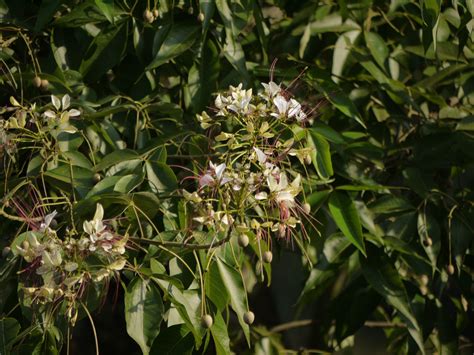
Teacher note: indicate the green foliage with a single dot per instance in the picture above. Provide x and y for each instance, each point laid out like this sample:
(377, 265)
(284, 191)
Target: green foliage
(390, 88)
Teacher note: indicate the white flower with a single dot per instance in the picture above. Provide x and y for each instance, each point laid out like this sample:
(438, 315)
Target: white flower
(271, 89)
(240, 99)
(282, 105)
(95, 225)
(261, 156)
(215, 175)
(282, 191)
(294, 108)
(288, 109)
(47, 221)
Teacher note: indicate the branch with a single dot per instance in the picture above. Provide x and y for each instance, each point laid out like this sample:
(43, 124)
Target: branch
(192, 246)
(307, 322)
(19, 219)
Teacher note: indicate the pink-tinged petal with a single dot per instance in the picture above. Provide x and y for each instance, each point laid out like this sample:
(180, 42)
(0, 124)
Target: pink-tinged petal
(225, 180)
(220, 170)
(206, 180)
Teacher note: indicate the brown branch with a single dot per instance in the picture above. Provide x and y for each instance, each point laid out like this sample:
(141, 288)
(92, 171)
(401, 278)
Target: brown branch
(307, 322)
(292, 325)
(192, 246)
(374, 324)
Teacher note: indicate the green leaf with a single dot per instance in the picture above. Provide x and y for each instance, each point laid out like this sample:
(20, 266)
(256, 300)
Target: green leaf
(128, 183)
(377, 47)
(384, 278)
(81, 14)
(81, 179)
(107, 8)
(346, 218)
(390, 204)
(342, 49)
(104, 186)
(461, 238)
(179, 39)
(160, 177)
(341, 102)
(187, 303)
(202, 78)
(321, 155)
(430, 13)
(317, 199)
(46, 13)
(207, 7)
(173, 340)
(77, 159)
(143, 312)
(214, 290)
(327, 132)
(116, 157)
(220, 335)
(428, 227)
(9, 328)
(334, 253)
(69, 142)
(104, 52)
(232, 49)
(238, 299)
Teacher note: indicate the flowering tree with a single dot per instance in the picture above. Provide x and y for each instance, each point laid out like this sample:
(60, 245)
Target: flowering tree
(154, 167)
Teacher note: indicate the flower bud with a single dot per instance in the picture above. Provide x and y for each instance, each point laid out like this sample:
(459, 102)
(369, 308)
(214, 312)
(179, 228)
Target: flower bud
(249, 317)
(148, 16)
(428, 242)
(306, 208)
(5, 252)
(156, 13)
(450, 269)
(37, 81)
(307, 159)
(267, 257)
(424, 280)
(206, 321)
(243, 240)
(200, 17)
(97, 177)
(281, 230)
(54, 223)
(25, 245)
(44, 84)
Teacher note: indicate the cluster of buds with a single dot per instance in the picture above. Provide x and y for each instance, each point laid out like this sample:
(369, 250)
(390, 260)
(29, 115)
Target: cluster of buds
(252, 187)
(60, 269)
(150, 16)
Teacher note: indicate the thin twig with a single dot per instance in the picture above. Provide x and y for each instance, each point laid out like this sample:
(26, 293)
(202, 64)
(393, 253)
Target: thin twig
(307, 322)
(192, 246)
(292, 325)
(374, 324)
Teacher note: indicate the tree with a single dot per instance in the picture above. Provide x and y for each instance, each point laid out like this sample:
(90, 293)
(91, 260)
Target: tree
(138, 170)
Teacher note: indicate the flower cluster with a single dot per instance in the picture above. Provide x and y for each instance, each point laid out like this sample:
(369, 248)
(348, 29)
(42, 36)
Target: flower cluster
(249, 187)
(66, 266)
